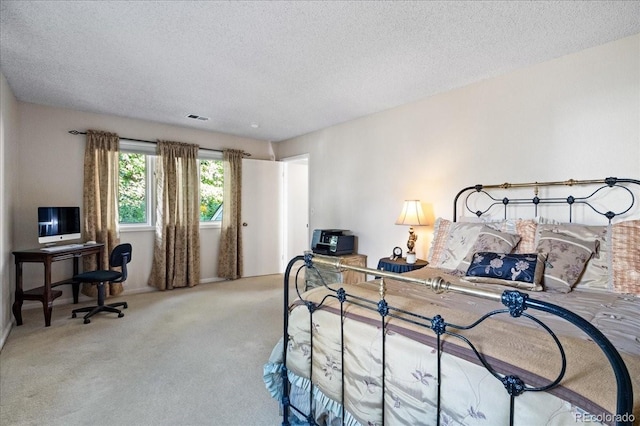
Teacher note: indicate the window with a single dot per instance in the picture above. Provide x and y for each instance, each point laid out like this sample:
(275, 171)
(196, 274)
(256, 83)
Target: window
(211, 179)
(132, 189)
(136, 185)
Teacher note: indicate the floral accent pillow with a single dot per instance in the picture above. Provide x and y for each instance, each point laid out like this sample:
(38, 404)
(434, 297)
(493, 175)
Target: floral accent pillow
(489, 240)
(566, 260)
(515, 270)
(597, 274)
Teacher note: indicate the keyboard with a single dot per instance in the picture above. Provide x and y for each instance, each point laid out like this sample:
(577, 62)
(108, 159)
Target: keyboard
(61, 248)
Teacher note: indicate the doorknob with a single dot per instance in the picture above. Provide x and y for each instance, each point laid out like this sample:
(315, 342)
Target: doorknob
(245, 224)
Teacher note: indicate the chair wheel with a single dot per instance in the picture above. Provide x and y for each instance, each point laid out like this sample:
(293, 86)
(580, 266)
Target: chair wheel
(120, 315)
(73, 315)
(87, 321)
(125, 306)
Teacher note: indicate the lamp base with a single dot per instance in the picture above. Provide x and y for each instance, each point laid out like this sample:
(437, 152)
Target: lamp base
(411, 258)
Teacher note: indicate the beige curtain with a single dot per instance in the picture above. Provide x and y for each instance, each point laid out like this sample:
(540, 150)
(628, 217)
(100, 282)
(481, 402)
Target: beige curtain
(100, 201)
(176, 255)
(230, 256)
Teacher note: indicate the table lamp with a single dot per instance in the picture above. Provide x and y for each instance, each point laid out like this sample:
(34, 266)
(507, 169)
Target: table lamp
(412, 215)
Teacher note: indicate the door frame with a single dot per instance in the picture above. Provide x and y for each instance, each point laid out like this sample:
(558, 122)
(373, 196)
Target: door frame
(288, 202)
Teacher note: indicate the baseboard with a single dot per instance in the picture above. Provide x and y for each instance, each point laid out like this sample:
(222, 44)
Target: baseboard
(211, 280)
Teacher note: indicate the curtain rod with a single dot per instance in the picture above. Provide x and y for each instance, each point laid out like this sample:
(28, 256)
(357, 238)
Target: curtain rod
(76, 132)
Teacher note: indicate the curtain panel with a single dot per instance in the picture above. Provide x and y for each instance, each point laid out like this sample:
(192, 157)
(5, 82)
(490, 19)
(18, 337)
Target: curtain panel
(230, 256)
(100, 201)
(176, 256)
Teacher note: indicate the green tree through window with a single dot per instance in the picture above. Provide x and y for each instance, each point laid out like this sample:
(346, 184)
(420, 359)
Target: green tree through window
(132, 188)
(211, 179)
(134, 191)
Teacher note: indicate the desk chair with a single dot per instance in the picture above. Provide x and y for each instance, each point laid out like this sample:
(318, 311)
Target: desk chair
(120, 256)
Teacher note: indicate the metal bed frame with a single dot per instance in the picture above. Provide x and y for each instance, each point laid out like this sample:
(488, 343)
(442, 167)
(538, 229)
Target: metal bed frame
(515, 303)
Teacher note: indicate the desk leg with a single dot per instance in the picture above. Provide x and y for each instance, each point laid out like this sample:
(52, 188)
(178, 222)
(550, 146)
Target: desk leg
(75, 287)
(47, 303)
(17, 304)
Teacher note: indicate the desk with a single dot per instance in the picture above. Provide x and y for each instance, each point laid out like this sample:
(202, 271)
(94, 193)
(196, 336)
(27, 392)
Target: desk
(46, 294)
(400, 265)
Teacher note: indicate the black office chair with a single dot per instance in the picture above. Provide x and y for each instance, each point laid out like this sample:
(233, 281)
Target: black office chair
(120, 256)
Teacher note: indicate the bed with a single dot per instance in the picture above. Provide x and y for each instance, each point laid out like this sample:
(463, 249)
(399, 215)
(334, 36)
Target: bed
(515, 321)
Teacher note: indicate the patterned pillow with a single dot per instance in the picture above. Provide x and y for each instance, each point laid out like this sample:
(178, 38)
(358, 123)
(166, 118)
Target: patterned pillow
(526, 228)
(597, 274)
(440, 232)
(566, 259)
(489, 240)
(626, 259)
(451, 242)
(515, 270)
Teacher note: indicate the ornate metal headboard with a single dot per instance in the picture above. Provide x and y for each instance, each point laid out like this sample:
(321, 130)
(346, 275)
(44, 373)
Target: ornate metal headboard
(483, 200)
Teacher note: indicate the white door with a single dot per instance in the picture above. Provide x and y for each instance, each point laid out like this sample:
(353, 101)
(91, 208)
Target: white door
(262, 246)
(296, 207)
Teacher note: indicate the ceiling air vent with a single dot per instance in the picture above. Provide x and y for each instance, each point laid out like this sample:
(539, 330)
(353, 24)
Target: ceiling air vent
(197, 117)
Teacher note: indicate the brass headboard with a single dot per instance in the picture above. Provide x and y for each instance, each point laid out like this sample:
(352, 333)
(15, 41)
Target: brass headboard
(594, 191)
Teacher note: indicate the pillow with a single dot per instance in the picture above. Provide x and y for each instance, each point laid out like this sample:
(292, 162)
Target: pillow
(451, 242)
(598, 272)
(566, 259)
(515, 270)
(489, 240)
(526, 229)
(440, 232)
(625, 246)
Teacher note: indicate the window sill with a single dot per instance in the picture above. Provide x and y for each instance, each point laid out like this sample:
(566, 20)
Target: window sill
(146, 228)
(211, 225)
(136, 228)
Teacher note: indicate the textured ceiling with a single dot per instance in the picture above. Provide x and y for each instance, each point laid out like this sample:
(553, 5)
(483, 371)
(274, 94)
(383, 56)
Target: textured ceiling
(292, 67)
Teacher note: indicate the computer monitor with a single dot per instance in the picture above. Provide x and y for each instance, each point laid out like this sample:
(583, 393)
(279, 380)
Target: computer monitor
(58, 224)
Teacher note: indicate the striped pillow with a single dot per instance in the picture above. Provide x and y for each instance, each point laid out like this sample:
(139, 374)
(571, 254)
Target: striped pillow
(625, 244)
(566, 259)
(489, 240)
(451, 242)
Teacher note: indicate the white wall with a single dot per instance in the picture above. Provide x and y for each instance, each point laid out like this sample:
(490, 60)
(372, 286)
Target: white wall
(49, 172)
(574, 117)
(8, 156)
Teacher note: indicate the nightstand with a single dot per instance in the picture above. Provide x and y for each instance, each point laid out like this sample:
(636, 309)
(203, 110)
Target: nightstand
(400, 265)
(332, 275)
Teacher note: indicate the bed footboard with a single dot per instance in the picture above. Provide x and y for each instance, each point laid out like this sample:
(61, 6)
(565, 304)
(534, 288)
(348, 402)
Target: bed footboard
(516, 305)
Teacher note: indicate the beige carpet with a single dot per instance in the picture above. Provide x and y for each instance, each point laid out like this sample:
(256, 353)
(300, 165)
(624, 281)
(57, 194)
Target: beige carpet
(182, 357)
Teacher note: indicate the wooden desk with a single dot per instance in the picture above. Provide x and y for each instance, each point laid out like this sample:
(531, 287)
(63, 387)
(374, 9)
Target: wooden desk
(46, 294)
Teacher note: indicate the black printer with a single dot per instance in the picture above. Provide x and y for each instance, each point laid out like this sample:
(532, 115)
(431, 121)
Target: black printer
(333, 242)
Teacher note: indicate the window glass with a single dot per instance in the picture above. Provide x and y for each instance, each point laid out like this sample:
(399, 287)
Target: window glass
(132, 188)
(135, 194)
(211, 179)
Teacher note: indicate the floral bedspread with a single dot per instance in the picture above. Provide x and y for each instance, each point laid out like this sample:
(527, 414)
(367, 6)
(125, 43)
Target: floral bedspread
(470, 395)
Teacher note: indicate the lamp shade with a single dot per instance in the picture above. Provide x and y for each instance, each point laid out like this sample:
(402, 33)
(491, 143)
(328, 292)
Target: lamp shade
(412, 214)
